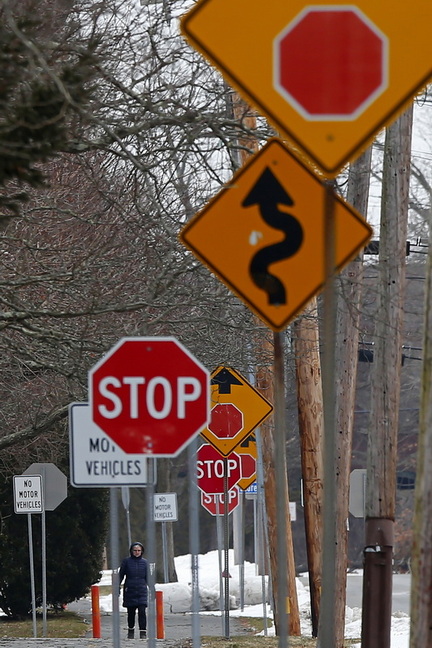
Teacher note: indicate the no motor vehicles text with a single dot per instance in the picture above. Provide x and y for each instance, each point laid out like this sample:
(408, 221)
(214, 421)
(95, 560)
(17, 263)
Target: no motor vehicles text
(31, 494)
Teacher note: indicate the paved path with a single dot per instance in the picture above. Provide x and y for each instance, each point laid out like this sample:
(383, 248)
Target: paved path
(178, 630)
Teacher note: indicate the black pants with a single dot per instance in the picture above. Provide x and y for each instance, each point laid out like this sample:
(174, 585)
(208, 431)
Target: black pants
(142, 617)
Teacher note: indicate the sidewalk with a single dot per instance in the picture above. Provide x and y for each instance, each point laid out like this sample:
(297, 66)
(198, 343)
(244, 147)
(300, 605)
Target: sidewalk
(178, 628)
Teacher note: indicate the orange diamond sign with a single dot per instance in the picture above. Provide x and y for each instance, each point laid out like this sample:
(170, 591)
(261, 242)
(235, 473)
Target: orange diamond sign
(247, 451)
(263, 235)
(329, 76)
(236, 407)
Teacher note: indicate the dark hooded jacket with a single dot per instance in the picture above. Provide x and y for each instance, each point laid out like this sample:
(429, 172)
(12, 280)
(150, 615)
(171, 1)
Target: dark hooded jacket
(135, 587)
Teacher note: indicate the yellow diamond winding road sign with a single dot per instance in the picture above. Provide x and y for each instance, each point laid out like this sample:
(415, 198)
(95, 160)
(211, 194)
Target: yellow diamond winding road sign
(329, 76)
(263, 235)
(237, 408)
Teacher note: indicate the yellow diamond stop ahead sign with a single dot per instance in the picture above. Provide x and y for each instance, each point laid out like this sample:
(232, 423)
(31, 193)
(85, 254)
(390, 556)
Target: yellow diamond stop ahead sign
(236, 407)
(329, 76)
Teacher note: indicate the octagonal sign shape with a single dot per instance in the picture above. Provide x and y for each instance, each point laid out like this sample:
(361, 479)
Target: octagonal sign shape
(212, 469)
(150, 395)
(237, 408)
(331, 62)
(214, 503)
(54, 483)
(226, 420)
(329, 124)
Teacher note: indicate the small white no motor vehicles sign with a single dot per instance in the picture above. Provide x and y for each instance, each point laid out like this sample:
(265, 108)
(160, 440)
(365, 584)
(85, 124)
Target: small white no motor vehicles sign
(165, 507)
(28, 494)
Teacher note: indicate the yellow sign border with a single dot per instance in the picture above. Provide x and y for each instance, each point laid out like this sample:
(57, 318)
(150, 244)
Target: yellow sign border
(204, 236)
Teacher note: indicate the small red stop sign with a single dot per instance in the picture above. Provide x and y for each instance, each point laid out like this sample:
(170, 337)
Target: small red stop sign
(212, 469)
(331, 62)
(149, 395)
(214, 503)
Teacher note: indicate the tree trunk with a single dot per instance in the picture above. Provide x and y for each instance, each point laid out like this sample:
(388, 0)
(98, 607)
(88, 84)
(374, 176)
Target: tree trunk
(385, 387)
(347, 336)
(421, 582)
(311, 424)
(274, 501)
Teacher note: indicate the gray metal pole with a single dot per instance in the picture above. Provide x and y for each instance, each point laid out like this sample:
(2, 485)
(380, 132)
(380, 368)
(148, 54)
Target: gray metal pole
(115, 560)
(151, 557)
(32, 578)
(226, 552)
(219, 536)
(44, 590)
(280, 479)
(165, 551)
(194, 541)
(260, 532)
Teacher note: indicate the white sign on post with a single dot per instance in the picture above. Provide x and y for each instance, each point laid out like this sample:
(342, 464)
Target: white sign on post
(28, 494)
(357, 494)
(165, 507)
(96, 460)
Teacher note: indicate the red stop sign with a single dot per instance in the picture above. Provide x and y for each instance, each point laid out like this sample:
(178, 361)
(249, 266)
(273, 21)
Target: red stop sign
(331, 62)
(212, 468)
(226, 420)
(214, 503)
(149, 395)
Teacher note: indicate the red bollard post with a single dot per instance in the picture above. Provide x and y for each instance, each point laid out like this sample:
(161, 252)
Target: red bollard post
(160, 624)
(96, 619)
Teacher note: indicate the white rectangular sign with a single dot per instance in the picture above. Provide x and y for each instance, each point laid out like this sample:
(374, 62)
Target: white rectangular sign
(165, 507)
(28, 494)
(96, 460)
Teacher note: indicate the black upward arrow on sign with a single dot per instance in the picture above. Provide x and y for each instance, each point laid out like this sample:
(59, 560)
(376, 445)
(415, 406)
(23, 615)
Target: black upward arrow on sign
(225, 380)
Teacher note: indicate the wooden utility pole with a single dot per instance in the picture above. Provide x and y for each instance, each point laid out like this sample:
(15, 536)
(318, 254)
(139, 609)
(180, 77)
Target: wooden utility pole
(347, 337)
(421, 580)
(385, 388)
(275, 500)
(311, 426)
(265, 377)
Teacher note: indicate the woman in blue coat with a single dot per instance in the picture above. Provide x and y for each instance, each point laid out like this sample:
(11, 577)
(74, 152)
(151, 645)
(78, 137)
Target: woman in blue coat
(134, 568)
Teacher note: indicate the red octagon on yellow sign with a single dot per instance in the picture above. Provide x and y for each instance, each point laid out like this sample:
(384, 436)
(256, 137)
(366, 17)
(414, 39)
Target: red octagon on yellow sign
(268, 52)
(314, 67)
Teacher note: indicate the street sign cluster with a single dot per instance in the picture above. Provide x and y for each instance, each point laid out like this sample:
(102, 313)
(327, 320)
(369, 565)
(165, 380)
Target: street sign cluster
(328, 77)
(227, 462)
(148, 397)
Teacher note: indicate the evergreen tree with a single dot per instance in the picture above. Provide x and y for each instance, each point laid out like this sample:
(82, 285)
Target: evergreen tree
(75, 538)
(45, 82)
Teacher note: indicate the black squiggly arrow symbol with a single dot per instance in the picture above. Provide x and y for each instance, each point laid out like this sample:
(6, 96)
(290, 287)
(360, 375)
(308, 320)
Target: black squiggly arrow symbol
(268, 193)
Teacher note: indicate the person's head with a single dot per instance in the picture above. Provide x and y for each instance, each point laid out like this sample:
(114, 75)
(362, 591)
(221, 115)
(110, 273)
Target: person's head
(136, 549)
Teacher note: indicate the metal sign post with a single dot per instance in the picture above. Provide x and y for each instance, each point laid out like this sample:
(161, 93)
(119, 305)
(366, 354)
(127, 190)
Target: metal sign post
(194, 540)
(29, 498)
(32, 578)
(115, 561)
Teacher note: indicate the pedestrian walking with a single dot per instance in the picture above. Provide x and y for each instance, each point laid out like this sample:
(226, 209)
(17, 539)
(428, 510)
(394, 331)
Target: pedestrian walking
(134, 569)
